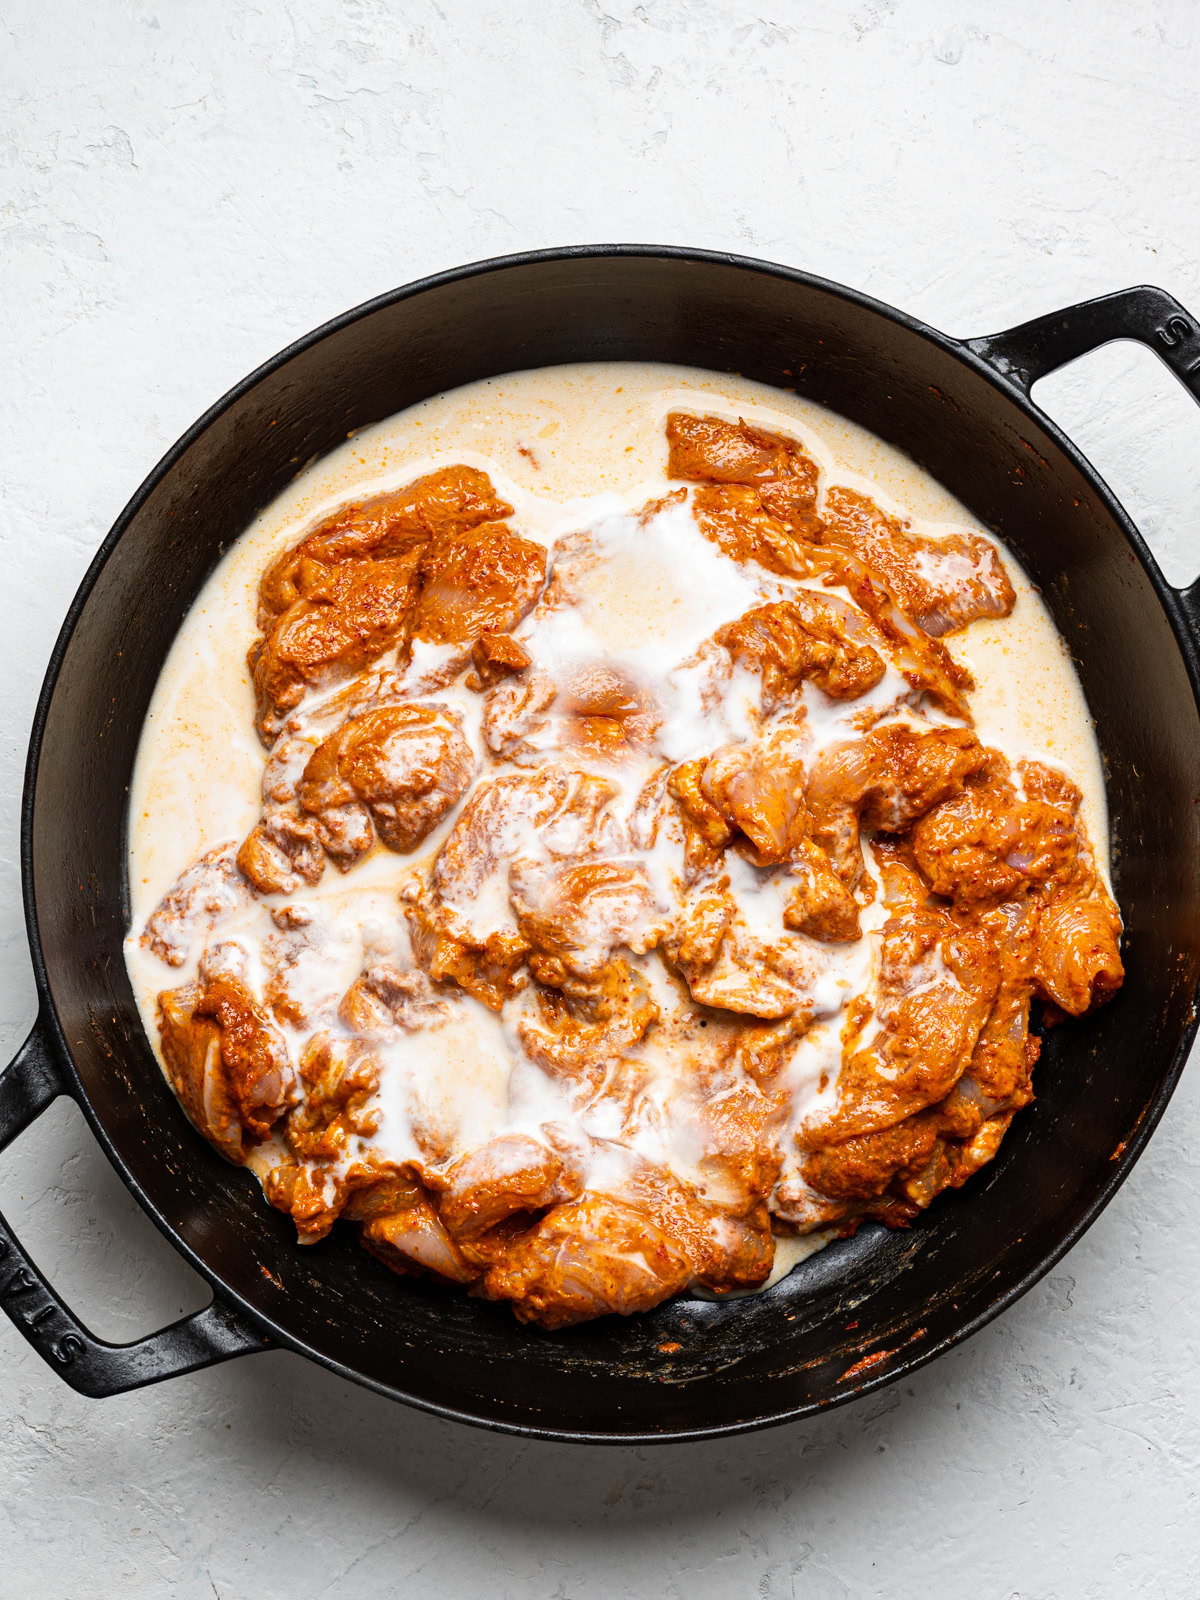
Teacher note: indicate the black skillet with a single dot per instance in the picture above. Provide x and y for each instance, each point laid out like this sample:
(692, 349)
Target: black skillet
(862, 1312)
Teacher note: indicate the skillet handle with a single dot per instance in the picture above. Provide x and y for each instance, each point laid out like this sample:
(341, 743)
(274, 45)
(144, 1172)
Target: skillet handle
(1028, 352)
(90, 1365)
(1150, 315)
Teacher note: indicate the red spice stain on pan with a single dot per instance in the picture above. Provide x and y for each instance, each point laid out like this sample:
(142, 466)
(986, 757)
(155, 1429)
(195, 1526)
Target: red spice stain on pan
(877, 1356)
(867, 1363)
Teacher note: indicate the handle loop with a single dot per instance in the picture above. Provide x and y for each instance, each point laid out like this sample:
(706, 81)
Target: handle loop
(90, 1365)
(1148, 314)
(1152, 316)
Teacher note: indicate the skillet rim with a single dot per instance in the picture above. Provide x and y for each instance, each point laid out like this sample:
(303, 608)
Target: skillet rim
(1167, 595)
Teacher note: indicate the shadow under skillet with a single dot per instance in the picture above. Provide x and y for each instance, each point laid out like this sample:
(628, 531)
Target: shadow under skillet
(279, 1407)
(392, 1454)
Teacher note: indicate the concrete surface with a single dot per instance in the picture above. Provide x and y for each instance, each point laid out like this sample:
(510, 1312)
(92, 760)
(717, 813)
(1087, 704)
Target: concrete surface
(188, 187)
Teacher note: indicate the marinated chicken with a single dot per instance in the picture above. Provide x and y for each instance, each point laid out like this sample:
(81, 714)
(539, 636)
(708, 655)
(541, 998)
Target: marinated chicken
(942, 584)
(649, 946)
(355, 588)
(396, 771)
(227, 1060)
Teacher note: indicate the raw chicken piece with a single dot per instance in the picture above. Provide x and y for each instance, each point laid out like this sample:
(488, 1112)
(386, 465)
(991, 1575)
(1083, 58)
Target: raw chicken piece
(282, 850)
(942, 583)
(400, 768)
(754, 796)
(476, 581)
(382, 999)
(820, 905)
(454, 498)
(710, 449)
(413, 1238)
(991, 843)
(591, 1004)
(207, 891)
(340, 1077)
(1079, 946)
(728, 965)
(923, 661)
(938, 979)
(515, 716)
(885, 781)
(510, 1175)
(726, 1246)
(349, 592)
(758, 792)
(352, 616)
(496, 656)
(988, 844)
(998, 1077)
(576, 1029)
(191, 1048)
(575, 914)
(226, 1059)
(583, 1259)
(597, 714)
(604, 715)
(863, 1166)
(464, 929)
(811, 636)
(734, 518)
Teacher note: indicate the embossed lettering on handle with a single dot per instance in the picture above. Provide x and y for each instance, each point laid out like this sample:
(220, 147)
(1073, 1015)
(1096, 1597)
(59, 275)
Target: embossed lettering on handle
(31, 1307)
(1174, 331)
(67, 1348)
(1173, 334)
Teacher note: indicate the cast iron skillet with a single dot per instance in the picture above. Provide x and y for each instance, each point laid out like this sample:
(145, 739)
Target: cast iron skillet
(862, 1312)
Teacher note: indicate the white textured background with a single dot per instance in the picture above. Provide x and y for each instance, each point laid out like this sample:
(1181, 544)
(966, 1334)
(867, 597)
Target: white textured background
(186, 188)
